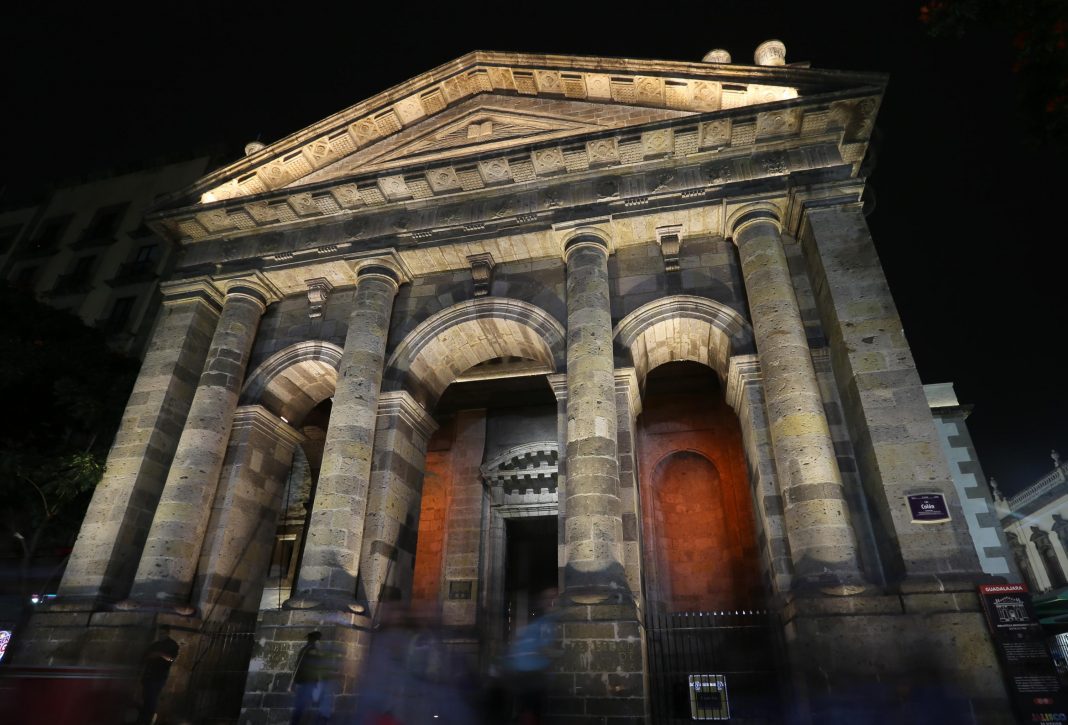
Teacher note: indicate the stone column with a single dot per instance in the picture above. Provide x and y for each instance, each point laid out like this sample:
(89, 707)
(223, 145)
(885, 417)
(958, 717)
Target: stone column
(113, 533)
(601, 671)
(387, 561)
(244, 518)
(629, 407)
(897, 444)
(335, 531)
(745, 395)
(165, 574)
(822, 542)
(593, 524)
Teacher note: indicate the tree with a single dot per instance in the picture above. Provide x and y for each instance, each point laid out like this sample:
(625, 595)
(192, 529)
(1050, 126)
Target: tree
(1035, 34)
(64, 393)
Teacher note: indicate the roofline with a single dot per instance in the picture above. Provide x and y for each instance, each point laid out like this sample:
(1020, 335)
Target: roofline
(778, 75)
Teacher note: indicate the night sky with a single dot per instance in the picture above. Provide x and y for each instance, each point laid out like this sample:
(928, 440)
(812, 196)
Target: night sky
(969, 215)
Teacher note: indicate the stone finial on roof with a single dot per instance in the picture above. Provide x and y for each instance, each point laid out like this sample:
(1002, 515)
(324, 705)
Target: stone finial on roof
(770, 52)
(717, 55)
(253, 146)
(1056, 458)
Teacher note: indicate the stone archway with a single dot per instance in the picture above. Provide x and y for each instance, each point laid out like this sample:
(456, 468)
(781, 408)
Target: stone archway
(448, 508)
(294, 380)
(702, 330)
(460, 337)
(684, 327)
(242, 536)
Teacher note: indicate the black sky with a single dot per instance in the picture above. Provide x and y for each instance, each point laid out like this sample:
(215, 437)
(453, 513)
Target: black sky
(969, 219)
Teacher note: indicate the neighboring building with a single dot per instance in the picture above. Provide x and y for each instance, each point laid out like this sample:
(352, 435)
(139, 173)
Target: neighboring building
(977, 505)
(1036, 522)
(522, 321)
(86, 250)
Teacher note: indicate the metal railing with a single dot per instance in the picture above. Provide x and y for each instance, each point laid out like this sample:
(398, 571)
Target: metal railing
(740, 646)
(1042, 486)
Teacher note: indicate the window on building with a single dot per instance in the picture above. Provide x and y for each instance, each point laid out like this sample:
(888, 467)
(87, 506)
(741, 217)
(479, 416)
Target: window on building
(25, 277)
(105, 224)
(281, 558)
(147, 253)
(83, 267)
(120, 313)
(7, 237)
(46, 240)
(78, 278)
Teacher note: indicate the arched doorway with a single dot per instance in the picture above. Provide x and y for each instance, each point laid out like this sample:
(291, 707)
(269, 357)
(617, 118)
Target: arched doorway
(698, 525)
(486, 537)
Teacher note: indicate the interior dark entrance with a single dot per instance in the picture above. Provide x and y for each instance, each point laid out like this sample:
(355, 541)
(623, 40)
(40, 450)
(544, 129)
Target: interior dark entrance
(530, 568)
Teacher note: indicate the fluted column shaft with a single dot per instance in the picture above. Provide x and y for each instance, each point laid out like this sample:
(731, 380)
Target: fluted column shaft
(335, 532)
(168, 564)
(822, 541)
(593, 521)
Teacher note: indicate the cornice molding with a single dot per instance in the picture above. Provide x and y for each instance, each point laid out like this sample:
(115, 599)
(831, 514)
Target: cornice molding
(668, 84)
(400, 403)
(772, 140)
(259, 418)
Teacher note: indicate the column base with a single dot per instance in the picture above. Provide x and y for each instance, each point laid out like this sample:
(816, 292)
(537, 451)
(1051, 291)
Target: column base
(601, 674)
(182, 609)
(280, 634)
(101, 652)
(893, 657)
(330, 604)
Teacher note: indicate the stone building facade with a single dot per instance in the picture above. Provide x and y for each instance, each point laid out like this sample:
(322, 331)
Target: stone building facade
(977, 503)
(86, 249)
(1036, 524)
(615, 325)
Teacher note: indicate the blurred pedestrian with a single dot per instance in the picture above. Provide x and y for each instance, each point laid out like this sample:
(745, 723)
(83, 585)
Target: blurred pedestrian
(411, 677)
(530, 656)
(314, 681)
(157, 665)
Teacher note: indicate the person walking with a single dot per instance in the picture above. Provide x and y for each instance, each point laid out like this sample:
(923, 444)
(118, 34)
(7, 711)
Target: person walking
(157, 665)
(308, 679)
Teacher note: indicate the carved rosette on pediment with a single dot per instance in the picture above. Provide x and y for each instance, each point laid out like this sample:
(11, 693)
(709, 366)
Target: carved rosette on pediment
(523, 480)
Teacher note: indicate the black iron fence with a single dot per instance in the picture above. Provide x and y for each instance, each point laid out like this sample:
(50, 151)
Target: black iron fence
(713, 666)
(217, 679)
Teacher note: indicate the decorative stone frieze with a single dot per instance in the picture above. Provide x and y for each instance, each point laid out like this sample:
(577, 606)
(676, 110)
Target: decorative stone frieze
(318, 290)
(481, 272)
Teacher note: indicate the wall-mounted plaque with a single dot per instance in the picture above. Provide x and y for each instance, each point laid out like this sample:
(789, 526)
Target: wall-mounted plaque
(708, 698)
(928, 508)
(1025, 658)
(459, 590)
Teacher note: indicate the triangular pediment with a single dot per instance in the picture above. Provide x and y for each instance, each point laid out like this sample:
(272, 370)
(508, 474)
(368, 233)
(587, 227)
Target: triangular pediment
(488, 123)
(424, 118)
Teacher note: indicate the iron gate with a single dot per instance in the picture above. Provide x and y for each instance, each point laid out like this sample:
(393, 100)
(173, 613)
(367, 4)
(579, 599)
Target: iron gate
(217, 679)
(692, 654)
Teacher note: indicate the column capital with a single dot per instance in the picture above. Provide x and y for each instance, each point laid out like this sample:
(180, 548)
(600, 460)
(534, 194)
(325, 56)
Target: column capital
(804, 199)
(587, 232)
(254, 286)
(627, 384)
(755, 212)
(256, 416)
(558, 382)
(742, 371)
(400, 403)
(381, 268)
(194, 288)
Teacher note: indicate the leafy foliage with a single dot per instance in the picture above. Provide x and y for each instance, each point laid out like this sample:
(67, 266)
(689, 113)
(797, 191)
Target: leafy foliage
(1036, 34)
(64, 392)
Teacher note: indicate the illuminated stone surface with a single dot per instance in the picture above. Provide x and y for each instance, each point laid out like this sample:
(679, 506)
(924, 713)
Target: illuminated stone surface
(578, 222)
